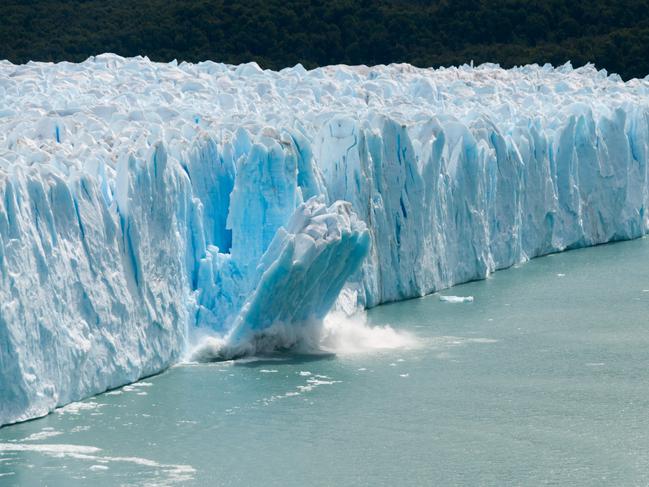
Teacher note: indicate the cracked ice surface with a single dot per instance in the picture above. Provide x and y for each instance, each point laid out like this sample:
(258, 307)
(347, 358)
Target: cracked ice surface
(143, 204)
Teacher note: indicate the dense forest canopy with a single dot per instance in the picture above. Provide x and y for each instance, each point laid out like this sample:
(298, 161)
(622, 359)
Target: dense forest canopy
(278, 33)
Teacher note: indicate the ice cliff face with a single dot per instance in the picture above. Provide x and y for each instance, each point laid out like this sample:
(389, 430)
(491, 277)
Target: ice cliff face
(145, 205)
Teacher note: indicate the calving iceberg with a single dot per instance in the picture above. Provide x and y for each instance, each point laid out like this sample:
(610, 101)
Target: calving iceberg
(297, 281)
(148, 211)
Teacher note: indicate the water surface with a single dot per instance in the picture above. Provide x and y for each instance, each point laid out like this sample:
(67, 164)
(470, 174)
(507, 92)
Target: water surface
(540, 380)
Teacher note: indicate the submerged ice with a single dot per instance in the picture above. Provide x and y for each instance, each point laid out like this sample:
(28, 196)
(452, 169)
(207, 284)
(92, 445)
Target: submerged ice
(150, 209)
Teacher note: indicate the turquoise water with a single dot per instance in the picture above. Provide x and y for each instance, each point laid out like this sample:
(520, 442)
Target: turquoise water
(542, 379)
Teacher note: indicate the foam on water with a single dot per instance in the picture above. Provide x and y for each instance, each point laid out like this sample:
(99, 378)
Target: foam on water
(171, 474)
(43, 434)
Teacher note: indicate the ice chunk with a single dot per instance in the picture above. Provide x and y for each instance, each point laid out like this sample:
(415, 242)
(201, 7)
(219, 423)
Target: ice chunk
(300, 277)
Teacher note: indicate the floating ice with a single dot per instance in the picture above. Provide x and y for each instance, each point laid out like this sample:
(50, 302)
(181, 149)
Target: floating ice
(456, 299)
(147, 209)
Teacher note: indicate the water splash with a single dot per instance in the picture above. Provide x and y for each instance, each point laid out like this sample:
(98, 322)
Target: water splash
(344, 334)
(338, 333)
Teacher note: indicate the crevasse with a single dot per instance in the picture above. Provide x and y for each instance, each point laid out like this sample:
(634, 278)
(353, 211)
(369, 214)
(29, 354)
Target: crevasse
(143, 205)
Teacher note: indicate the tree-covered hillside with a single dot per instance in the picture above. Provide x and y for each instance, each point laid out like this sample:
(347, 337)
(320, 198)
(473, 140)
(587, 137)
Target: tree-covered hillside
(278, 33)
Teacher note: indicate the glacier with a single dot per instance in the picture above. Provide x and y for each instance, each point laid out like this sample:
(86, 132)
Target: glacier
(153, 212)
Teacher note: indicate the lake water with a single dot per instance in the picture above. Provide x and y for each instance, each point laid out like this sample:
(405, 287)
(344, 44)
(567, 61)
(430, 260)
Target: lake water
(542, 379)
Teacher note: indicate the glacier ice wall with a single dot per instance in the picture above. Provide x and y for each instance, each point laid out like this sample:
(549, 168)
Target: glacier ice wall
(86, 304)
(145, 205)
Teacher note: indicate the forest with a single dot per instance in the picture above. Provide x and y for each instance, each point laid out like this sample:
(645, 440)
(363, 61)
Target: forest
(611, 34)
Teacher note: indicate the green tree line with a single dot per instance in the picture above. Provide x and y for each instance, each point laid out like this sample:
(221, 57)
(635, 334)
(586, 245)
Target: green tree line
(612, 34)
